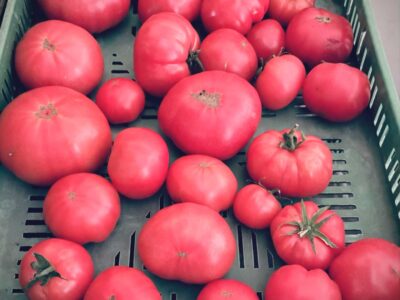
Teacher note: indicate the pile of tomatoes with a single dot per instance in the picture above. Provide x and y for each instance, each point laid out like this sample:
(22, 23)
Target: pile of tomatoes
(257, 53)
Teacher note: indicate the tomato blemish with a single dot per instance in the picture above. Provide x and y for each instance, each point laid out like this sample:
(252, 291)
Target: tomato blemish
(48, 46)
(46, 111)
(212, 100)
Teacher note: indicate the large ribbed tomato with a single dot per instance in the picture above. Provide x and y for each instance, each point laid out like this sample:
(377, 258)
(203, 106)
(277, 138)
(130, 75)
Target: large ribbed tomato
(284, 10)
(189, 9)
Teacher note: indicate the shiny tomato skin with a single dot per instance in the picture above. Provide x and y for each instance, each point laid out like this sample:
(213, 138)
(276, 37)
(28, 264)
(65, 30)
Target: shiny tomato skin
(161, 50)
(138, 163)
(189, 9)
(316, 35)
(368, 269)
(280, 81)
(69, 259)
(121, 100)
(231, 289)
(56, 132)
(122, 283)
(284, 10)
(336, 92)
(59, 53)
(202, 179)
(187, 242)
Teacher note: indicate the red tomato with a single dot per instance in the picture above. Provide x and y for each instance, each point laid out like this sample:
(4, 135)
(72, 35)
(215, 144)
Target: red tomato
(296, 283)
(138, 163)
(368, 269)
(162, 47)
(202, 179)
(96, 16)
(121, 100)
(255, 207)
(315, 35)
(234, 14)
(189, 9)
(187, 242)
(267, 38)
(280, 81)
(206, 113)
(305, 235)
(336, 92)
(59, 53)
(56, 131)
(56, 269)
(227, 50)
(297, 165)
(285, 10)
(68, 208)
(122, 283)
(231, 289)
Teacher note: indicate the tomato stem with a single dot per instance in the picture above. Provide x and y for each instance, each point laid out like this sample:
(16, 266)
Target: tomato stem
(291, 141)
(194, 62)
(44, 271)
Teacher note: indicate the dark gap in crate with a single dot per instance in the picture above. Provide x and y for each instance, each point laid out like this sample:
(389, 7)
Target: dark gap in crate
(161, 200)
(3, 5)
(353, 232)
(18, 262)
(36, 197)
(255, 250)
(134, 30)
(17, 291)
(8, 84)
(241, 153)
(114, 54)
(117, 258)
(340, 206)
(24, 248)
(117, 63)
(29, 235)
(339, 161)
(337, 151)
(119, 72)
(5, 97)
(224, 213)
(340, 172)
(135, 6)
(260, 295)
(173, 296)
(16, 276)
(350, 219)
(35, 222)
(148, 215)
(240, 246)
(132, 250)
(268, 114)
(270, 259)
(35, 209)
(335, 195)
(242, 163)
(148, 117)
(332, 140)
(340, 183)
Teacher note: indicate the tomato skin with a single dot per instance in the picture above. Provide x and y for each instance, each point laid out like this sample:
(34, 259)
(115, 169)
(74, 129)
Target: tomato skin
(294, 282)
(196, 247)
(284, 10)
(68, 132)
(59, 53)
(368, 269)
(315, 35)
(336, 92)
(280, 81)
(161, 48)
(69, 259)
(121, 100)
(123, 283)
(189, 9)
(138, 163)
(231, 289)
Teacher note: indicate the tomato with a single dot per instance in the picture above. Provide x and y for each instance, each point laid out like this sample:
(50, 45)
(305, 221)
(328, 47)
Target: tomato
(255, 207)
(121, 100)
(268, 39)
(56, 269)
(189, 9)
(202, 179)
(227, 50)
(336, 92)
(59, 53)
(55, 131)
(315, 35)
(231, 289)
(161, 50)
(296, 283)
(96, 16)
(187, 242)
(213, 113)
(297, 165)
(138, 163)
(280, 81)
(122, 283)
(284, 10)
(368, 269)
(234, 14)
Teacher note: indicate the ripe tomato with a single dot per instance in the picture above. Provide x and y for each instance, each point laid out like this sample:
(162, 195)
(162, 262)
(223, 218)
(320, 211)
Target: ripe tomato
(122, 283)
(189, 9)
(255, 207)
(234, 14)
(59, 53)
(68, 208)
(231, 289)
(280, 81)
(138, 163)
(296, 283)
(305, 235)
(297, 165)
(187, 242)
(96, 16)
(336, 92)
(227, 50)
(56, 269)
(368, 269)
(315, 35)
(267, 39)
(202, 179)
(121, 100)
(162, 47)
(284, 10)
(213, 113)
(56, 131)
